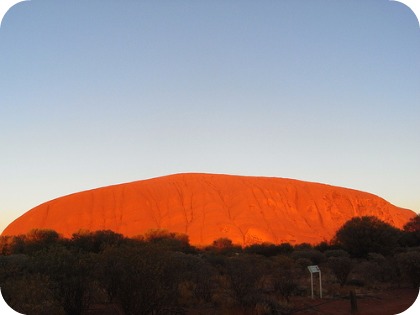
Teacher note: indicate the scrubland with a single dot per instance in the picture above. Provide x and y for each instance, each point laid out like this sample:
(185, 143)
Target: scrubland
(103, 272)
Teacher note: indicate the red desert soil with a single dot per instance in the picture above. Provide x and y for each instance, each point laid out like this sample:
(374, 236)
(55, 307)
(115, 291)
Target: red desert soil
(389, 302)
(207, 206)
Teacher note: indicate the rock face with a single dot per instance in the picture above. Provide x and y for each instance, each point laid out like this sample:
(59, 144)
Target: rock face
(206, 207)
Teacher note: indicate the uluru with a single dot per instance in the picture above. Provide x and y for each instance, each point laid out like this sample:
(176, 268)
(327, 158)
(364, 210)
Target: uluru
(206, 207)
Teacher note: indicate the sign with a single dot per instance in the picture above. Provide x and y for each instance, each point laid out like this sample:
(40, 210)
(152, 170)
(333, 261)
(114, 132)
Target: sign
(315, 269)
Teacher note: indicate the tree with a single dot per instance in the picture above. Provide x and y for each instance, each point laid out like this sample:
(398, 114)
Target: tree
(362, 235)
(413, 225)
(33, 241)
(224, 245)
(169, 240)
(96, 241)
(46, 236)
(411, 236)
(5, 243)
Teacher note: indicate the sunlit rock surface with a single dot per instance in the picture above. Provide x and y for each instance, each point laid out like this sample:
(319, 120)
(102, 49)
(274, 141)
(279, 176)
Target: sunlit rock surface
(206, 207)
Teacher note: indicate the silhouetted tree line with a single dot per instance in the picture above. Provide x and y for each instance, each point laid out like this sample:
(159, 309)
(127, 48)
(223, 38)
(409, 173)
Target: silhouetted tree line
(161, 273)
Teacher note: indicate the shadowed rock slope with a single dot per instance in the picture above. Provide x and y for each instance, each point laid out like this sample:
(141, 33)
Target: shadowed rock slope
(206, 207)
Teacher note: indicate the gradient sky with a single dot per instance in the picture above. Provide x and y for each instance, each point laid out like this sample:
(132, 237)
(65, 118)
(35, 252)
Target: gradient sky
(100, 92)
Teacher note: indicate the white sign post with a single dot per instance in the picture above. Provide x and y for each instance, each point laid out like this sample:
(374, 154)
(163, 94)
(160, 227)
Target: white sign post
(314, 269)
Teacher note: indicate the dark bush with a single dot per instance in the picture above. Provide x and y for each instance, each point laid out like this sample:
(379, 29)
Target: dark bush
(69, 274)
(336, 253)
(411, 235)
(142, 280)
(341, 268)
(224, 246)
(362, 235)
(31, 294)
(169, 240)
(269, 249)
(244, 273)
(413, 225)
(315, 256)
(409, 264)
(95, 241)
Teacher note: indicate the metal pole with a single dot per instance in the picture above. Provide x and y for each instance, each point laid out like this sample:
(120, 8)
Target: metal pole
(312, 286)
(320, 285)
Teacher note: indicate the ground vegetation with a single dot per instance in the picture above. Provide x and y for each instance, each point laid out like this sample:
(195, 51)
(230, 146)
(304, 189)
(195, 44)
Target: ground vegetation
(161, 273)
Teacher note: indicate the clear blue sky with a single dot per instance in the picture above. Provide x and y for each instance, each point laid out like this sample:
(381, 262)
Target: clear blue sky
(100, 92)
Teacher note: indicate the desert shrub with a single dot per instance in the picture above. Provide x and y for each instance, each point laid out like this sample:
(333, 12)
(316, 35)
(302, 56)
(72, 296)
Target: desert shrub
(282, 262)
(375, 257)
(42, 236)
(282, 276)
(411, 235)
(336, 253)
(45, 283)
(326, 246)
(196, 275)
(39, 239)
(215, 260)
(13, 266)
(341, 267)
(269, 249)
(413, 225)
(284, 283)
(69, 275)
(224, 246)
(244, 273)
(364, 271)
(95, 241)
(169, 240)
(223, 242)
(382, 270)
(265, 249)
(17, 245)
(31, 294)
(303, 246)
(223, 296)
(5, 242)
(362, 235)
(303, 263)
(315, 256)
(322, 247)
(376, 269)
(409, 264)
(141, 279)
(34, 240)
(285, 248)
